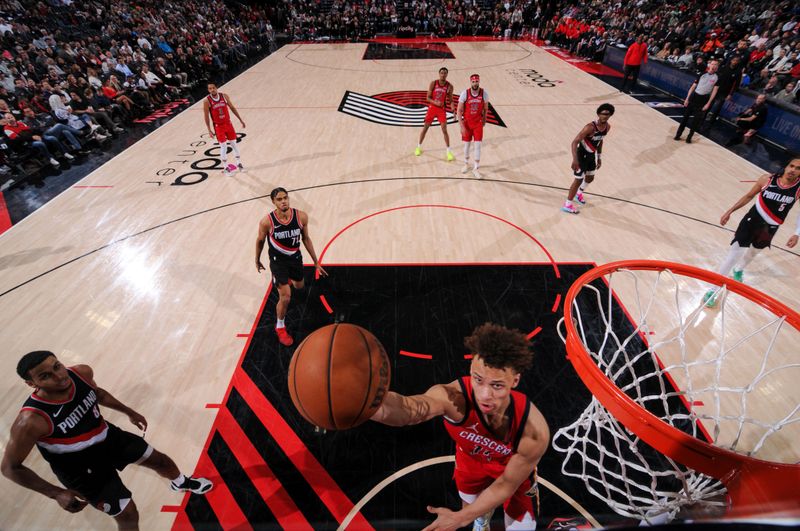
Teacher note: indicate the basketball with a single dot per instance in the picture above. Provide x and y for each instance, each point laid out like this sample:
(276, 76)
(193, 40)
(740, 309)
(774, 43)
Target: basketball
(339, 376)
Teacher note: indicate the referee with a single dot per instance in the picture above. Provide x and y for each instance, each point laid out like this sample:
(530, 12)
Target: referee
(701, 94)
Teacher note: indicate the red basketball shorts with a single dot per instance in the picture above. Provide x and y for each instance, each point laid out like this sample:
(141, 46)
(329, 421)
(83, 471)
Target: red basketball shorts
(472, 131)
(471, 478)
(224, 132)
(435, 112)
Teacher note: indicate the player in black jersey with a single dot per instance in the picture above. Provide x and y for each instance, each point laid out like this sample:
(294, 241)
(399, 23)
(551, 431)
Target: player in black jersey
(586, 149)
(285, 228)
(62, 419)
(776, 195)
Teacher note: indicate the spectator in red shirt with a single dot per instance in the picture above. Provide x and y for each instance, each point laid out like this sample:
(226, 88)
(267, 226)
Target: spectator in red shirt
(635, 56)
(20, 134)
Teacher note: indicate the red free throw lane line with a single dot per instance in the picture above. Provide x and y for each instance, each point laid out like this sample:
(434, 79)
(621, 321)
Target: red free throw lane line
(270, 489)
(535, 331)
(182, 523)
(523, 231)
(203, 454)
(314, 473)
(325, 303)
(222, 502)
(555, 304)
(5, 218)
(415, 355)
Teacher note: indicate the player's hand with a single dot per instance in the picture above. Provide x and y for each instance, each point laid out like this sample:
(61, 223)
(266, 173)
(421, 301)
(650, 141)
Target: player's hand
(259, 266)
(599, 162)
(321, 271)
(792, 241)
(575, 166)
(242, 122)
(445, 520)
(705, 108)
(210, 132)
(686, 102)
(71, 501)
(724, 219)
(138, 420)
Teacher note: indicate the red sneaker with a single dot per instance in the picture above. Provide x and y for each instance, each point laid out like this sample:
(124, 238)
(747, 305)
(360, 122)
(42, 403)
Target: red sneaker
(284, 337)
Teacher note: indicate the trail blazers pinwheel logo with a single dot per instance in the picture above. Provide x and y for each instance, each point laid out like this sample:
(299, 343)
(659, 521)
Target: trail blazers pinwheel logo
(405, 108)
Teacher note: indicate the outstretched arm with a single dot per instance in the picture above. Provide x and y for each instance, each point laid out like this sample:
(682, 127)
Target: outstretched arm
(745, 199)
(400, 410)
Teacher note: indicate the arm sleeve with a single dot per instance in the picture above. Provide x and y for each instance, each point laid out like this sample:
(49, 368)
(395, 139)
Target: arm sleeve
(463, 97)
(485, 95)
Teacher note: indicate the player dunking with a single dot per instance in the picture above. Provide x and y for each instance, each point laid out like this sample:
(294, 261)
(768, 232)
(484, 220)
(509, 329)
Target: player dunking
(216, 106)
(586, 149)
(500, 436)
(439, 99)
(285, 228)
(473, 107)
(62, 419)
(776, 195)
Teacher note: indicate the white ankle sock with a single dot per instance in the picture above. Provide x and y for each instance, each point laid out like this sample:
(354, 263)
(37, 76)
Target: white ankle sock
(280, 324)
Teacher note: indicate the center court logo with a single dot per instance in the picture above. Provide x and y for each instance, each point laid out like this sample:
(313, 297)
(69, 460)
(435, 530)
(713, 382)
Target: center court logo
(531, 78)
(405, 108)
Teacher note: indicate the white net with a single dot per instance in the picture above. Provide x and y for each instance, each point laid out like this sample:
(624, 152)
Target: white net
(726, 376)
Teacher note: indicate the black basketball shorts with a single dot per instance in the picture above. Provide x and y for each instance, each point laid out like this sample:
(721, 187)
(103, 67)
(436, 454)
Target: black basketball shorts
(94, 472)
(754, 231)
(587, 162)
(284, 268)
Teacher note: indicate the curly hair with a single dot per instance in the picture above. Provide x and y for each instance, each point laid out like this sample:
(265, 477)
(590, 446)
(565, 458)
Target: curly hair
(500, 347)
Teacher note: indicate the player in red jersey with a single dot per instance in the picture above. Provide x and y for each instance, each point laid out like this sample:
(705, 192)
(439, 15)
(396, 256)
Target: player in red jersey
(216, 107)
(439, 99)
(473, 107)
(500, 436)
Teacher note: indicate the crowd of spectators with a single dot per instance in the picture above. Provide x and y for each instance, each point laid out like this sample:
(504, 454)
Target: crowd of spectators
(73, 74)
(757, 41)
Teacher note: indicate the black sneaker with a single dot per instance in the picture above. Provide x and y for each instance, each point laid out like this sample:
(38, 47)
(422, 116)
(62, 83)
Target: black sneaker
(195, 485)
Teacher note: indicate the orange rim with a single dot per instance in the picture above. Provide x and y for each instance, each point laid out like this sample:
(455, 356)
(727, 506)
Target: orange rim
(767, 485)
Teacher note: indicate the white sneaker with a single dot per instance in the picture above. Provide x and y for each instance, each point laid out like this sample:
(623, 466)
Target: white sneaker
(68, 156)
(465, 169)
(54, 162)
(476, 173)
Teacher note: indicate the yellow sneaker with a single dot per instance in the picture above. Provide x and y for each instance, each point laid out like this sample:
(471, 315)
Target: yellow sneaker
(418, 151)
(450, 156)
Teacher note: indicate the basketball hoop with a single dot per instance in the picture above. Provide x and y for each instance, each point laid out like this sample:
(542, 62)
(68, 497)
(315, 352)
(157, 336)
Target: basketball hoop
(637, 403)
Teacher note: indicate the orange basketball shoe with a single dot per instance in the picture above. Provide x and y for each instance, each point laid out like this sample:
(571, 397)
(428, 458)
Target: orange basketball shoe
(284, 337)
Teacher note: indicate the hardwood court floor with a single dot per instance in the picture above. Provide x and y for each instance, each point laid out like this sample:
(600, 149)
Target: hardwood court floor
(146, 271)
